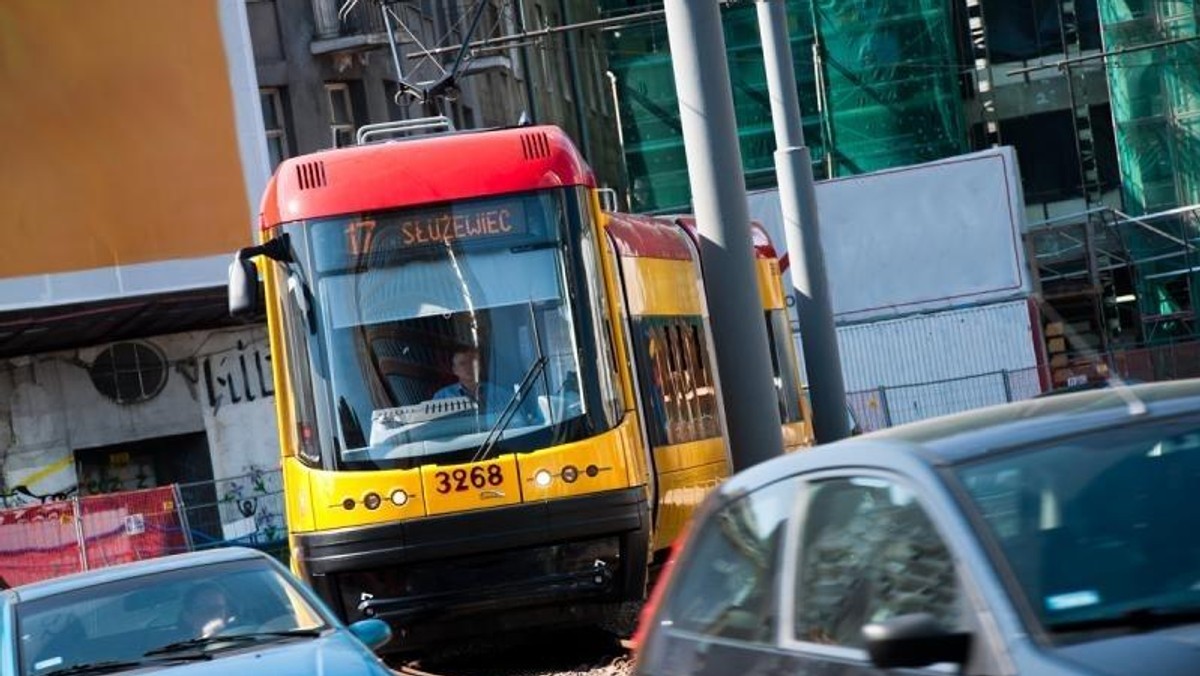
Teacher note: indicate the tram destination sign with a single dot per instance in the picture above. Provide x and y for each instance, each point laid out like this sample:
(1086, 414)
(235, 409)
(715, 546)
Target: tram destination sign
(440, 225)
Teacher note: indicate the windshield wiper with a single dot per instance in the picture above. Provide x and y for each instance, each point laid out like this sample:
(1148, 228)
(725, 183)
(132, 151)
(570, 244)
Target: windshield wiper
(1141, 619)
(109, 666)
(510, 409)
(252, 637)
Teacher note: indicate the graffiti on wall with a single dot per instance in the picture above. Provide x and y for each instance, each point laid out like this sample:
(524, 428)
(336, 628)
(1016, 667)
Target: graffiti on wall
(22, 496)
(258, 496)
(240, 375)
(50, 483)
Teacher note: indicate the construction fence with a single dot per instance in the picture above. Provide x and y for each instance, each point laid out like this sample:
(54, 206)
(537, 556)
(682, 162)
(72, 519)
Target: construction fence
(52, 539)
(883, 407)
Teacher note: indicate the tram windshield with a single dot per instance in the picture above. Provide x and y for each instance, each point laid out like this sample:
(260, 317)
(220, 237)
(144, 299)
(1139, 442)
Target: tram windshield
(446, 333)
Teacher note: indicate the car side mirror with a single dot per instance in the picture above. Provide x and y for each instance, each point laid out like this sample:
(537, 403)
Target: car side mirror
(375, 633)
(915, 640)
(244, 296)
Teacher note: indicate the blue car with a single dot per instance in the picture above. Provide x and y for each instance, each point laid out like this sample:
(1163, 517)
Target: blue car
(1054, 536)
(221, 611)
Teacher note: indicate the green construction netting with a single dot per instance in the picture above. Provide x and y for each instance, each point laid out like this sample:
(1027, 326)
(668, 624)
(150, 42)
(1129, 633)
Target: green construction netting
(891, 87)
(1155, 94)
(640, 58)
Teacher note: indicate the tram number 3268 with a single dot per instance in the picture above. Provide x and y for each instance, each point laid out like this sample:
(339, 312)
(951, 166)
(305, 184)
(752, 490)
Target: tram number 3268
(463, 480)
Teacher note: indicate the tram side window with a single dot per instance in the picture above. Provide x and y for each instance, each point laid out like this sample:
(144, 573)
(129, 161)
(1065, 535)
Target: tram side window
(783, 362)
(677, 382)
(300, 384)
(606, 360)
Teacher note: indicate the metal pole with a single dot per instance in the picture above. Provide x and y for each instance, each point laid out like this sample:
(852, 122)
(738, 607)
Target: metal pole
(80, 533)
(624, 166)
(798, 200)
(723, 219)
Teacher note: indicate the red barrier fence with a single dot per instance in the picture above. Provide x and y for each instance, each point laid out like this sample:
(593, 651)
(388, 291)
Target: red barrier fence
(53, 539)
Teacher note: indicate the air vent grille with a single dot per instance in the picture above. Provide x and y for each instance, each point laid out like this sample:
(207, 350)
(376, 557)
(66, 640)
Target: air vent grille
(535, 145)
(311, 175)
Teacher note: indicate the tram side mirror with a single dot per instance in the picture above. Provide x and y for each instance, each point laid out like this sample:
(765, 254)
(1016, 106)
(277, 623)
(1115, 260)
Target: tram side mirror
(245, 298)
(245, 295)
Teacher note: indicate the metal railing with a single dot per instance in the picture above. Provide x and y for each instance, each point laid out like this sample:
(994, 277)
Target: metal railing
(44, 540)
(246, 510)
(883, 407)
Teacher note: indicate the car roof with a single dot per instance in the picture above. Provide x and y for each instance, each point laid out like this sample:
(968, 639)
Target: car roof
(75, 581)
(967, 436)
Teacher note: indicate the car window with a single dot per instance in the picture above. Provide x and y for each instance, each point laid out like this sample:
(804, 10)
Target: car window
(1098, 526)
(869, 552)
(124, 619)
(727, 586)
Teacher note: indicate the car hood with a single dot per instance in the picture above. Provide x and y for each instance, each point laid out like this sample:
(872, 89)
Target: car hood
(1165, 652)
(337, 654)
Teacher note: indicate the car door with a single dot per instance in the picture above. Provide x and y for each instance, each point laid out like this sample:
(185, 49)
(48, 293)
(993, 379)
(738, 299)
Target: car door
(8, 637)
(865, 549)
(721, 613)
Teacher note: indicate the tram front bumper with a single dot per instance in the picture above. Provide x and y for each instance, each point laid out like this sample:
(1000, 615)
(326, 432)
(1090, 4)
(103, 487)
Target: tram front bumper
(443, 568)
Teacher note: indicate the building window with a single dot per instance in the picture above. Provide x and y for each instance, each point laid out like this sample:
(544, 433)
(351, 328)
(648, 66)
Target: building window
(548, 76)
(558, 57)
(341, 114)
(274, 124)
(129, 373)
(597, 77)
(462, 115)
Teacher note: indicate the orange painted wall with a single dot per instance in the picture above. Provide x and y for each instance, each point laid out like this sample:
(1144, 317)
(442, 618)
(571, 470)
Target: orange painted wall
(117, 136)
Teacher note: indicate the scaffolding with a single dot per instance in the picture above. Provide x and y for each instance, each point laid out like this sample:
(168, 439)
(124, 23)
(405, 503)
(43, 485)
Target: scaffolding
(889, 71)
(639, 58)
(1154, 84)
(1155, 93)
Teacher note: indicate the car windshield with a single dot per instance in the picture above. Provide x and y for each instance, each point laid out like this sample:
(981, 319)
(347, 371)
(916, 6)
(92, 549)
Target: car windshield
(134, 620)
(446, 329)
(1099, 529)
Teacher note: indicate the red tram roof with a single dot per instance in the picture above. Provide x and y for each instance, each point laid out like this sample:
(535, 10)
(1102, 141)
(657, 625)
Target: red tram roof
(646, 237)
(758, 235)
(422, 170)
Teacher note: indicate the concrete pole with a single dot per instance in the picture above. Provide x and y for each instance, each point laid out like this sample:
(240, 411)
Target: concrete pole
(723, 219)
(798, 199)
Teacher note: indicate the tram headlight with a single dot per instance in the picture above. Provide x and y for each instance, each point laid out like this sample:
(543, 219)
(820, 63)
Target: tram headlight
(542, 478)
(570, 474)
(372, 501)
(399, 497)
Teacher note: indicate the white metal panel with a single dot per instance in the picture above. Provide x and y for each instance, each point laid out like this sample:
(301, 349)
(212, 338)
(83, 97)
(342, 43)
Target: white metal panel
(943, 362)
(937, 346)
(918, 239)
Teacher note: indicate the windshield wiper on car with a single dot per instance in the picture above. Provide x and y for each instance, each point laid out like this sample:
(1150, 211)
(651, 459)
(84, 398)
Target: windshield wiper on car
(251, 637)
(1140, 619)
(110, 666)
